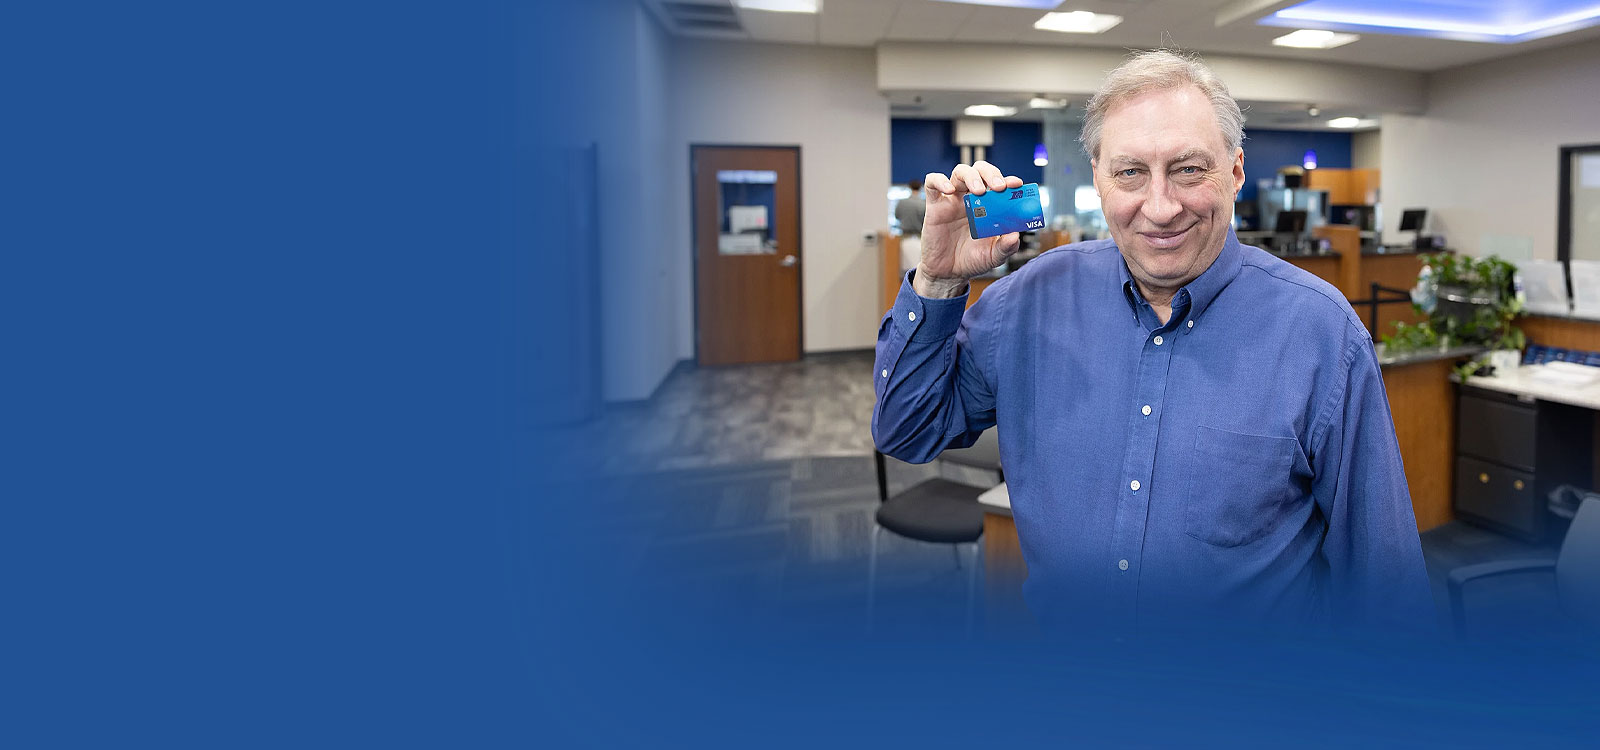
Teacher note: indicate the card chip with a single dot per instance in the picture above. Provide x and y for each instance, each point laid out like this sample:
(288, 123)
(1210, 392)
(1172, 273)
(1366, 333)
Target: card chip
(979, 212)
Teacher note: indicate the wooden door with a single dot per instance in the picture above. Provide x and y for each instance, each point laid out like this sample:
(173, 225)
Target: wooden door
(747, 254)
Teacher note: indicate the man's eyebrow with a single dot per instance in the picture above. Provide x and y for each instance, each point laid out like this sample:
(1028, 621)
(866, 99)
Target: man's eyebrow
(1125, 161)
(1194, 154)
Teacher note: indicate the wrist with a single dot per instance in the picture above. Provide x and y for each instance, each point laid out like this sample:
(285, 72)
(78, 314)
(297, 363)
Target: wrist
(936, 288)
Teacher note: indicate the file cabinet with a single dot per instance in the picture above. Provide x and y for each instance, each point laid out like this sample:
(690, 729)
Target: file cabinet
(1510, 452)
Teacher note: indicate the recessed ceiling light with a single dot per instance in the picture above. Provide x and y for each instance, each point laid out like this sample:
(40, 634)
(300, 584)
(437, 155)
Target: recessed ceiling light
(782, 6)
(1040, 102)
(1077, 22)
(1315, 39)
(990, 110)
(1344, 122)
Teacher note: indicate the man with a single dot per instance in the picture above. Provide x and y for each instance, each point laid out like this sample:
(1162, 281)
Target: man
(911, 211)
(1191, 428)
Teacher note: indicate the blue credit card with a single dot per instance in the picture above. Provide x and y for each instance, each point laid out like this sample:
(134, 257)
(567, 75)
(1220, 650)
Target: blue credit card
(1003, 211)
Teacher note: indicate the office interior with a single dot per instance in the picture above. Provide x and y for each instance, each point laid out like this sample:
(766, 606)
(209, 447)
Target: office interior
(762, 147)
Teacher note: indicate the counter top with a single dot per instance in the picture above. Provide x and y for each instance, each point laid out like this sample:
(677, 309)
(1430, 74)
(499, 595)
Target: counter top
(1428, 355)
(1525, 382)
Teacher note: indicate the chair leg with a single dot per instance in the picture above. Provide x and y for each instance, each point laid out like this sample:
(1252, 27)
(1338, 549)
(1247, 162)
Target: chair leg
(972, 584)
(872, 572)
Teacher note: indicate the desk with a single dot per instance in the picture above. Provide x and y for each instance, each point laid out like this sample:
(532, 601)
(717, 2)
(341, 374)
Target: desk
(1518, 438)
(1003, 567)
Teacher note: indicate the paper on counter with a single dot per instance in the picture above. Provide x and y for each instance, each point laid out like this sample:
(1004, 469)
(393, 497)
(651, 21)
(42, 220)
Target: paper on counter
(1564, 374)
(1545, 283)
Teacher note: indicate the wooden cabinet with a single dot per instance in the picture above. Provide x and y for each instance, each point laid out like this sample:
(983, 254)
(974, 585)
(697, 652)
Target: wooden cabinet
(1346, 187)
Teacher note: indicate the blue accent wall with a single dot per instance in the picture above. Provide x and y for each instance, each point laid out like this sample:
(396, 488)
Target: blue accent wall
(917, 147)
(1267, 150)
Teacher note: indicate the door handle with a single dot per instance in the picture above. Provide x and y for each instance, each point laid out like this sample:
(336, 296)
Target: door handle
(788, 261)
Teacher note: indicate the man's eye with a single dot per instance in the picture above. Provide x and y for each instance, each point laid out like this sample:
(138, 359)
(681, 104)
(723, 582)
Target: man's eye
(1128, 173)
(1189, 170)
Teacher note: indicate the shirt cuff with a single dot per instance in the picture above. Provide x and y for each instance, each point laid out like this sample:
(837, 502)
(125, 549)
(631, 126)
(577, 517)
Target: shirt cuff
(922, 318)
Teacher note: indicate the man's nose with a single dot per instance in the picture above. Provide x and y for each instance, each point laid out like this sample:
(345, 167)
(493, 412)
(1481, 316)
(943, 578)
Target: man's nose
(1160, 207)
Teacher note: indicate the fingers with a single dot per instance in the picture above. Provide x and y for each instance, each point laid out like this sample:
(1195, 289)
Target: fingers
(967, 179)
(991, 176)
(976, 178)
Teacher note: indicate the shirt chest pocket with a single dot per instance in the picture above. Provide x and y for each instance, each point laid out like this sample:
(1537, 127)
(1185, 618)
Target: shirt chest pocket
(1240, 486)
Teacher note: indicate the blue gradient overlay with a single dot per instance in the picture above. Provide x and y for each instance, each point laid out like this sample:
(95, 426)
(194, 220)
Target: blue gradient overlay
(289, 335)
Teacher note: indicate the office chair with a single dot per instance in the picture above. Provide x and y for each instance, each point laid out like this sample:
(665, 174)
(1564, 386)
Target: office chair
(937, 511)
(1576, 568)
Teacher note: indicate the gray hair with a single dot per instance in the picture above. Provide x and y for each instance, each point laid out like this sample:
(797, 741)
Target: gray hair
(1161, 69)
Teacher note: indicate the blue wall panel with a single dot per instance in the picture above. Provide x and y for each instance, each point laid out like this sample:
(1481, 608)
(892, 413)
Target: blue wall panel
(917, 147)
(1267, 150)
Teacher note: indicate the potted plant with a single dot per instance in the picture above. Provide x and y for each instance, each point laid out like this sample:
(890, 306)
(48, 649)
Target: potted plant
(1468, 302)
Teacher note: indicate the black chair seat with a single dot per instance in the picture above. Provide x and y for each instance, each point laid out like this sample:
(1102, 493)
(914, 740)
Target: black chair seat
(937, 510)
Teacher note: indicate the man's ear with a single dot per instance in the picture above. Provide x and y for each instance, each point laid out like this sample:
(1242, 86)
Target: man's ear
(1094, 173)
(1238, 172)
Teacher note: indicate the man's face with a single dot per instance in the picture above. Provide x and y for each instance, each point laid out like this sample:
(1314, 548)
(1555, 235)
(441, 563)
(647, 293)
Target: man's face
(1166, 184)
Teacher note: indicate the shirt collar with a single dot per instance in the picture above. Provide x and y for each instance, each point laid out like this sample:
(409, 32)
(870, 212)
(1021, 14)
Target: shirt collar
(1202, 290)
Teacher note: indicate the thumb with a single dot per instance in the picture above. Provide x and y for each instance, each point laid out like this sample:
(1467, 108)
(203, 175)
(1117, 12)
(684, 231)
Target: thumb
(1005, 245)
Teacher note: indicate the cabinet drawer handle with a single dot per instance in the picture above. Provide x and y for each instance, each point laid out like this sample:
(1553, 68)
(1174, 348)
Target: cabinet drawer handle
(1517, 484)
(1484, 478)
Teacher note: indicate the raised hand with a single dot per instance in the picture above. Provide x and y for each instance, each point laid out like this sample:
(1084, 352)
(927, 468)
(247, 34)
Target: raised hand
(950, 257)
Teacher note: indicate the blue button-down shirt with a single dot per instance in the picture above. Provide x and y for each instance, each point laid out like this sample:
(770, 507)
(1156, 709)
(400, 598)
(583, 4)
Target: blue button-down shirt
(1237, 461)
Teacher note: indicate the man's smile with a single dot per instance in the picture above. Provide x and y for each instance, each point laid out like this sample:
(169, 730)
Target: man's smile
(1166, 240)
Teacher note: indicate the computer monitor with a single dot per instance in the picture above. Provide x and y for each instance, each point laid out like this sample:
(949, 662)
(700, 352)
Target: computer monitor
(1292, 221)
(1412, 219)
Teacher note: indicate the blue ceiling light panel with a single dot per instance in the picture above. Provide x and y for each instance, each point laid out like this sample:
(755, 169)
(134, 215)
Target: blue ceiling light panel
(1035, 4)
(1496, 21)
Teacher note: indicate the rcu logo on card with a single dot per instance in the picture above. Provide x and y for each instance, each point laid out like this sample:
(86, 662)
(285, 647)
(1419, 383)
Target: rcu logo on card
(1004, 211)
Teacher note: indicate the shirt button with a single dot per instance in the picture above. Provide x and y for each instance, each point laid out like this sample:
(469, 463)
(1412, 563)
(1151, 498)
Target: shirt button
(886, 374)
(1146, 408)
(1158, 341)
(1191, 324)
(911, 315)
(1122, 564)
(1134, 485)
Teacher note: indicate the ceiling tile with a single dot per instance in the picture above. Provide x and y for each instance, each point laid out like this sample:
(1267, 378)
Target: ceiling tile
(855, 22)
(997, 24)
(924, 20)
(767, 26)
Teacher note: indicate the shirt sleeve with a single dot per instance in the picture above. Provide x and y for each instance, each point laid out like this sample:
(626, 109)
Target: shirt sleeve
(1377, 578)
(933, 393)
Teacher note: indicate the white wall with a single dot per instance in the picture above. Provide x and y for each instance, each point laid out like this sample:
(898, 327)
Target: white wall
(1483, 159)
(824, 100)
(1366, 150)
